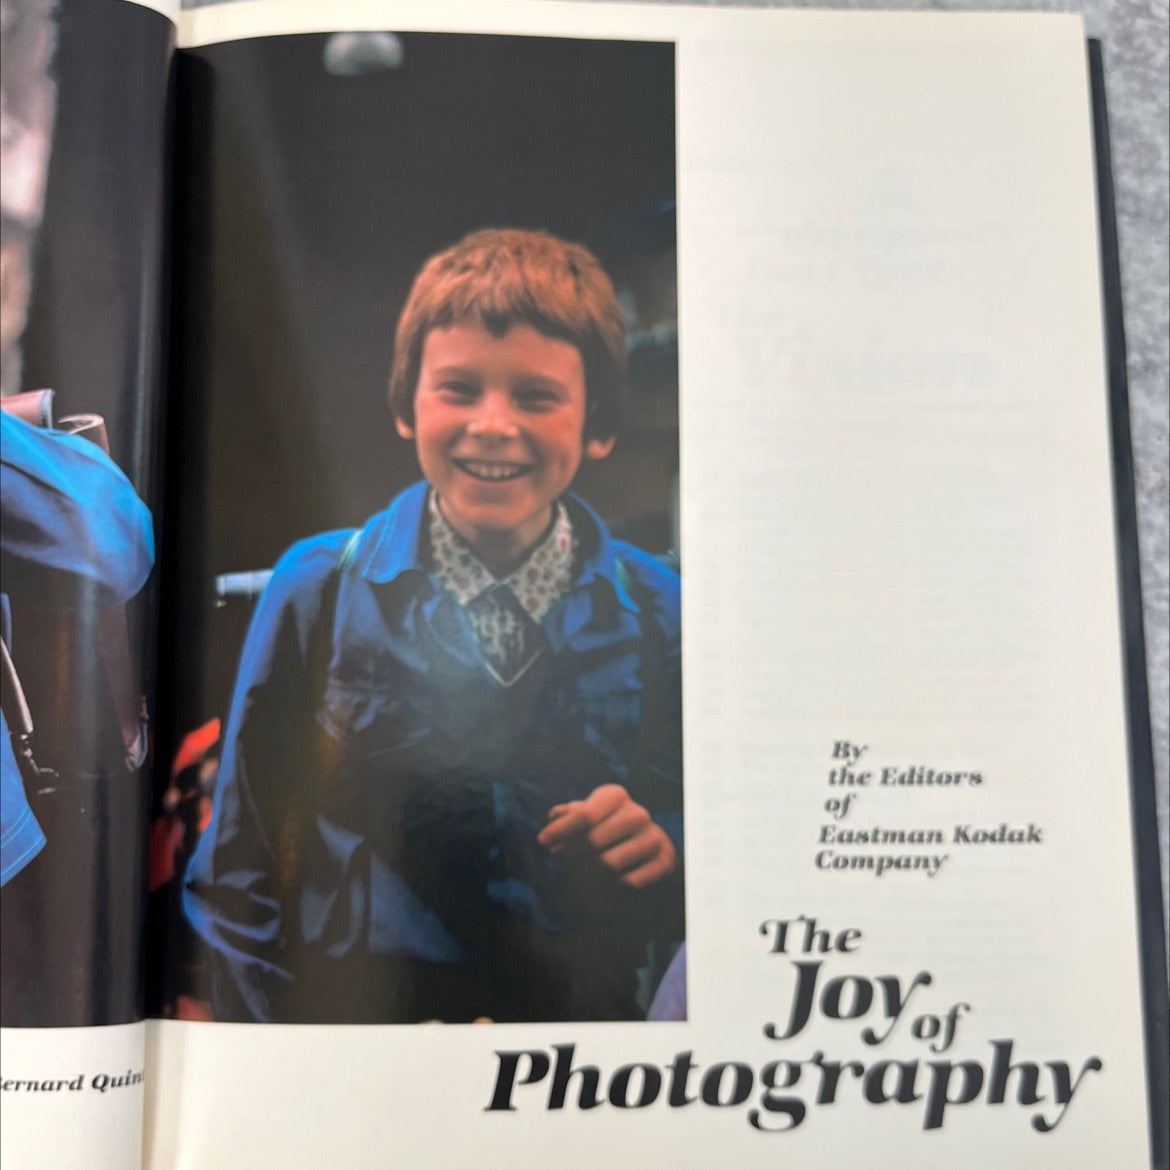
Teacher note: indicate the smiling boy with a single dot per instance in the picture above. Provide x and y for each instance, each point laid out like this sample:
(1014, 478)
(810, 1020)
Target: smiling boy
(451, 782)
(498, 426)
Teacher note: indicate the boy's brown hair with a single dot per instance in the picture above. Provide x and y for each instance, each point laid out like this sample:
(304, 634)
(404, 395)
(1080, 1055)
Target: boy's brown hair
(500, 277)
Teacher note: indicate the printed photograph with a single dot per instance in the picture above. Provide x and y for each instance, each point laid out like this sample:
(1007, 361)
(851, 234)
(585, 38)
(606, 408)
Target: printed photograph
(81, 263)
(425, 731)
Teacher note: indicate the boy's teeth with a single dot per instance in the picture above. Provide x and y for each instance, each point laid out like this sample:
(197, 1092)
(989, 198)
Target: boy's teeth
(493, 470)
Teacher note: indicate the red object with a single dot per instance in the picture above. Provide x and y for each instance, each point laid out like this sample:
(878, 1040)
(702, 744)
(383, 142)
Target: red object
(196, 744)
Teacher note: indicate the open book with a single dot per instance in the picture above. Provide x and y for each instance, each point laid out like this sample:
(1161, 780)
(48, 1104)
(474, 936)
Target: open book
(602, 625)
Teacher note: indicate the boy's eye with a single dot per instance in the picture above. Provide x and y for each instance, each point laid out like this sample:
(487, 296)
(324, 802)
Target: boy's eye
(459, 391)
(537, 399)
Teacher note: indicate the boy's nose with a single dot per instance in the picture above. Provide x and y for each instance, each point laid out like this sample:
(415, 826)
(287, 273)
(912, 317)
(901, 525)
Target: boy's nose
(493, 419)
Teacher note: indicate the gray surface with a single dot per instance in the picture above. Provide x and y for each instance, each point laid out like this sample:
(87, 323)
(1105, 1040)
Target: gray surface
(1135, 35)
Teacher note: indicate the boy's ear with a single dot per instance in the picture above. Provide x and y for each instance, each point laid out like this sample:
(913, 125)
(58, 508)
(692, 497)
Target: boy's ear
(597, 448)
(403, 427)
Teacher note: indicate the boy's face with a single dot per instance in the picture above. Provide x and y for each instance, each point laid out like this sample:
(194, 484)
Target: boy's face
(499, 425)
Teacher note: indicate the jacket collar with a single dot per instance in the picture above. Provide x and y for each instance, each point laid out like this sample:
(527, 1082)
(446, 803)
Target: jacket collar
(390, 545)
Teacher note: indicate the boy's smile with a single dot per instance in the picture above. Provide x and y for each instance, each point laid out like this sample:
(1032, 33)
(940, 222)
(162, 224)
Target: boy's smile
(499, 425)
(492, 472)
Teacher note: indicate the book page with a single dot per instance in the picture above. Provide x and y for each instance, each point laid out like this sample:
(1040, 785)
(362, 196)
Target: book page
(906, 858)
(82, 322)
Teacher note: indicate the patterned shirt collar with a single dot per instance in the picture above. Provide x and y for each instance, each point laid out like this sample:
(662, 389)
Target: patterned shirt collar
(537, 584)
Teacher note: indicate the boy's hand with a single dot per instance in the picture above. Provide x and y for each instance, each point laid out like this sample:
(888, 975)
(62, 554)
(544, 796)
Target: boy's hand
(619, 833)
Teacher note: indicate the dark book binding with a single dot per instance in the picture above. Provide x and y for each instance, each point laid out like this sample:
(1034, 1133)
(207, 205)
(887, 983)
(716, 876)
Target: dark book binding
(1151, 924)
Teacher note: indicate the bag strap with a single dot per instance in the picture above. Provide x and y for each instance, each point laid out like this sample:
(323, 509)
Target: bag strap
(301, 1002)
(323, 642)
(113, 636)
(348, 553)
(322, 646)
(317, 665)
(653, 676)
(20, 724)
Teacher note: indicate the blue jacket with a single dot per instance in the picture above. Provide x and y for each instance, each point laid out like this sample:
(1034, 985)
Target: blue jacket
(373, 854)
(74, 535)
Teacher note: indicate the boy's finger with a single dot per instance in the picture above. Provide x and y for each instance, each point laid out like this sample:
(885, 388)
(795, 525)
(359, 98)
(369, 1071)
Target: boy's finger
(632, 853)
(604, 801)
(578, 816)
(628, 821)
(567, 825)
(648, 874)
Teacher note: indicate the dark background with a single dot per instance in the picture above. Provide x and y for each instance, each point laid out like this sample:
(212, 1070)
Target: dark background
(95, 333)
